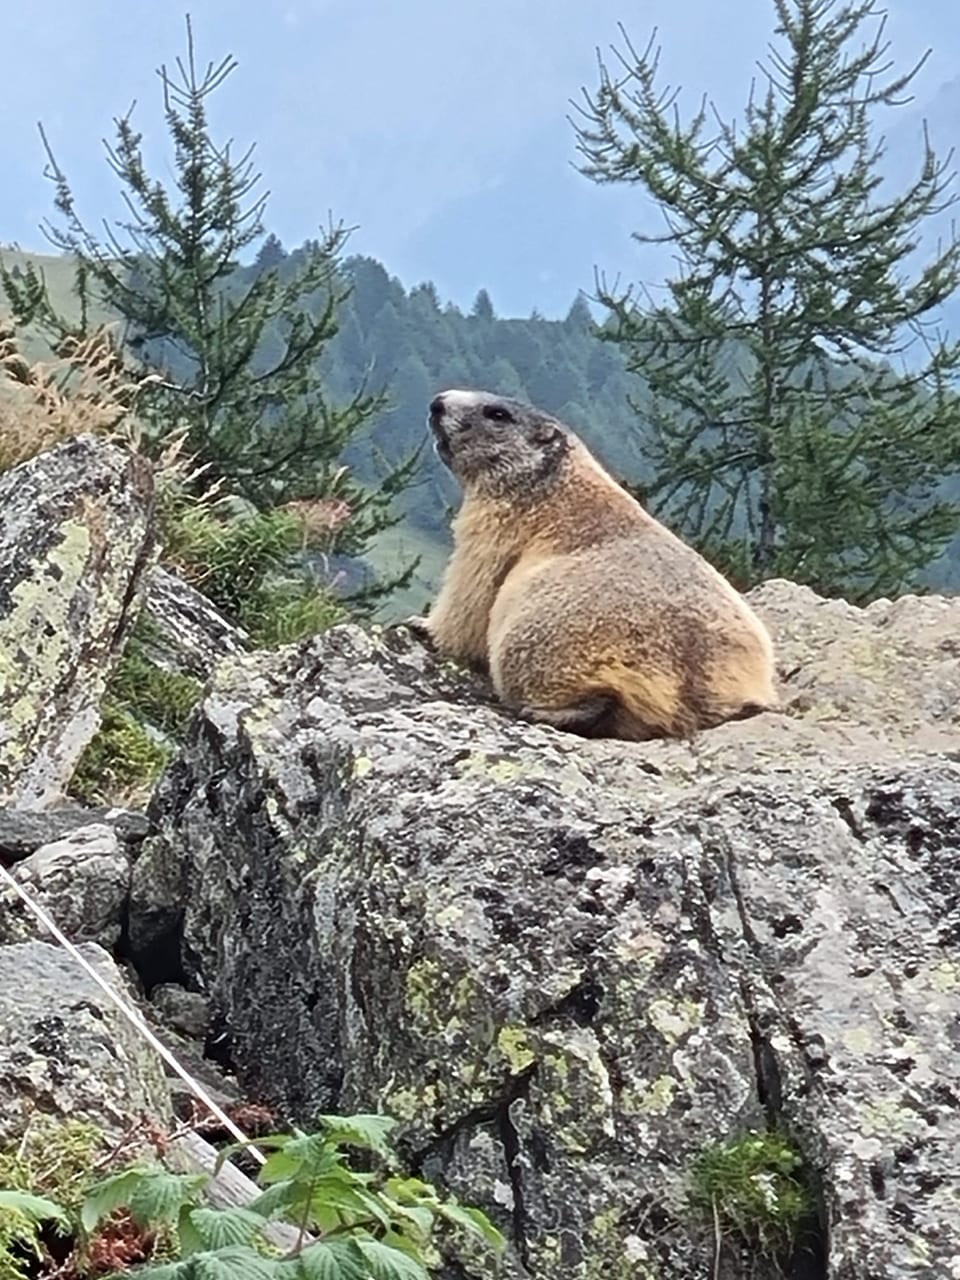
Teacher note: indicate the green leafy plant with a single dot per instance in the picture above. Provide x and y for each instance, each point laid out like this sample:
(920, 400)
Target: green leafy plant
(236, 357)
(21, 1217)
(350, 1225)
(43, 1182)
(801, 412)
(753, 1187)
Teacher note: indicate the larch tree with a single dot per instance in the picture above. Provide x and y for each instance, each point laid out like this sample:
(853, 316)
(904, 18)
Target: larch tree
(237, 352)
(802, 411)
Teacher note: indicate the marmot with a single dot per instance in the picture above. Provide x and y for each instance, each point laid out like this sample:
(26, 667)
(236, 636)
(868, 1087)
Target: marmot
(587, 612)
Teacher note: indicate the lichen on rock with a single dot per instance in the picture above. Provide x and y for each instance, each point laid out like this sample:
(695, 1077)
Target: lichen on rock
(66, 1051)
(76, 541)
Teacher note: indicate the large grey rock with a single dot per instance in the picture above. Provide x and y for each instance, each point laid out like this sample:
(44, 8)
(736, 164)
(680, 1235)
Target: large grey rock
(565, 965)
(66, 1051)
(75, 542)
(183, 631)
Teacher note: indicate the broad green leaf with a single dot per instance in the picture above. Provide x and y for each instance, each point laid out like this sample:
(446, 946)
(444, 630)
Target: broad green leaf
(329, 1260)
(35, 1209)
(386, 1263)
(278, 1166)
(474, 1221)
(371, 1132)
(159, 1196)
(285, 1195)
(236, 1263)
(306, 1155)
(421, 1248)
(411, 1190)
(103, 1197)
(329, 1194)
(309, 1148)
(218, 1228)
(293, 1197)
(189, 1238)
(325, 1220)
(421, 1216)
(151, 1194)
(167, 1271)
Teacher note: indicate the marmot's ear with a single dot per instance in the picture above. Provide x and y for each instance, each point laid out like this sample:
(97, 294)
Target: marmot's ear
(545, 432)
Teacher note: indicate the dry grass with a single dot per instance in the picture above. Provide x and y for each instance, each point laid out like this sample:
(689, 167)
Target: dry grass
(320, 519)
(83, 388)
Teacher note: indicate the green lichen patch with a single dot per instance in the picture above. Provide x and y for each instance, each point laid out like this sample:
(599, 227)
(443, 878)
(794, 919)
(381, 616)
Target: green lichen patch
(514, 1044)
(753, 1188)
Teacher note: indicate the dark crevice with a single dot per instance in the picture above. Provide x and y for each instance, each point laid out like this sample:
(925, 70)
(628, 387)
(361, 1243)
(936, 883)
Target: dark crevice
(765, 1064)
(510, 1141)
(581, 1004)
(443, 1143)
(160, 960)
(809, 1258)
(496, 1115)
(218, 1044)
(845, 810)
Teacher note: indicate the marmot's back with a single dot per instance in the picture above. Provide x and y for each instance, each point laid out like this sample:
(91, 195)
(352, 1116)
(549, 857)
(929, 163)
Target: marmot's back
(657, 637)
(589, 614)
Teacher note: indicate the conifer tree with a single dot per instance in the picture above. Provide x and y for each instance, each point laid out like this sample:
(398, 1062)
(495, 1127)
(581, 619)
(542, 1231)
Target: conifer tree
(802, 410)
(270, 254)
(482, 308)
(236, 352)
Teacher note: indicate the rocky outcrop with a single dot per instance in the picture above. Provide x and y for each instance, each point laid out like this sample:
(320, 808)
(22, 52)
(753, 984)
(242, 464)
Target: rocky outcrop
(183, 631)
(75, 544)
(66, 1051)
(566, 966)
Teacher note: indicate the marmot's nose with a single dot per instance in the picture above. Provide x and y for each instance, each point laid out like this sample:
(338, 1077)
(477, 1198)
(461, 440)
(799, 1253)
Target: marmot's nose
(436, 406)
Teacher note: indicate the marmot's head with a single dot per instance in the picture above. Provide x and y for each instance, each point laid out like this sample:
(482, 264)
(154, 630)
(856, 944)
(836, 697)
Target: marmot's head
(497, 445)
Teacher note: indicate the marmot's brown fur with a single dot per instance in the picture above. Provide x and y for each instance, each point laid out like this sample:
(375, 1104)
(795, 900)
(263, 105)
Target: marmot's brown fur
(588, 613)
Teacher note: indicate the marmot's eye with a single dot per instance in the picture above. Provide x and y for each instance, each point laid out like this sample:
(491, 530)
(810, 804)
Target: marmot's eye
(497, 413)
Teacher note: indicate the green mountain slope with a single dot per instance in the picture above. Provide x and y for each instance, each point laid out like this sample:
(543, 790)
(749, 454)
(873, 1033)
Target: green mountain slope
(407, 341)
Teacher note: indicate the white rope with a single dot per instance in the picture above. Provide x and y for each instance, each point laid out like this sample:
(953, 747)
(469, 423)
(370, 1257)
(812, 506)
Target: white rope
(133, 1016)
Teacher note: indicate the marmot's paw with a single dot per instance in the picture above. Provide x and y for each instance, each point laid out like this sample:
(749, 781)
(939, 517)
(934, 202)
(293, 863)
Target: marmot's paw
(419, 624)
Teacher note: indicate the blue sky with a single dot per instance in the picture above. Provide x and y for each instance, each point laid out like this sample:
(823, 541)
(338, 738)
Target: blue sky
(437, 127)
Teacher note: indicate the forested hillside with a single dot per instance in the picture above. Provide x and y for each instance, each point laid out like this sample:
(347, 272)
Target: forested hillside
(414, 344)
(408, 341)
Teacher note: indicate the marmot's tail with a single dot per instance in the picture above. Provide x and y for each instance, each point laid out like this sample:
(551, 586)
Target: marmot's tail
(646, 704)
(658, 704)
